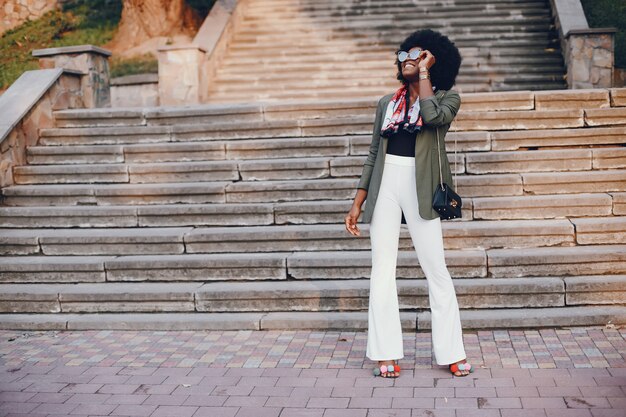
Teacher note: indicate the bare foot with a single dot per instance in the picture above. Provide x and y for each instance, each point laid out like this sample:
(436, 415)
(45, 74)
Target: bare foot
(389, 374)
(459, 372)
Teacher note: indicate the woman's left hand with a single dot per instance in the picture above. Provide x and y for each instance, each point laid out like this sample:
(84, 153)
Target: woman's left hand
(427, 60)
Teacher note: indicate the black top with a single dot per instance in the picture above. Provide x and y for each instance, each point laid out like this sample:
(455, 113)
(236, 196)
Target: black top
(402, 142)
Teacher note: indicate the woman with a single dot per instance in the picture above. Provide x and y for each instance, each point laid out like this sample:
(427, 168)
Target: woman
(399, 179)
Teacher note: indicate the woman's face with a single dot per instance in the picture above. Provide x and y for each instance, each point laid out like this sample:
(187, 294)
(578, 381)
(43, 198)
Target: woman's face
(410, 72)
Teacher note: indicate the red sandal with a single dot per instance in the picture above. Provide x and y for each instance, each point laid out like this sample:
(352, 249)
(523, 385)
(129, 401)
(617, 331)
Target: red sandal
(456, 367)
(380, 370)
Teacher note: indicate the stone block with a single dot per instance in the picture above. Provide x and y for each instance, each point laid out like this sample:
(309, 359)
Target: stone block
(524, 161)
(99, 117)
(498, 101)
(278, 191)
(600, 230)
(174, 152)
(557, 261)
(53, 321)
(574, 182)
(72, 174)
(29, 298)
(311, 212)
(214, 214)
(245, 130)
(204, 114)
(190, 171)
(170, 193)
(66, 155)
(284, 169)
(607, 158)
(619, 203)
(345, 321)
(533, 317)
(294, 147)
(618, 97)
(508, 141)
(211, 267)
(128, 297)
(347, 167)
(489, 185)
(322, 109)
(164, 321)
(542, 206)
(572, 99)
(105, 135)
(605, 117)
(357, 264)
(52, 269)
(89, 216)
(596, 289)
(337, 126)
(516, 120)
(116, 241)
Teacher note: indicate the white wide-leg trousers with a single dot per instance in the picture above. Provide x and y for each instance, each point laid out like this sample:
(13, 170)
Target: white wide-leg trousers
(397, 194)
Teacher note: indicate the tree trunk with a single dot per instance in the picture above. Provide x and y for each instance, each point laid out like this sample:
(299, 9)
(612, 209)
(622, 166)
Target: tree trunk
(145, 19)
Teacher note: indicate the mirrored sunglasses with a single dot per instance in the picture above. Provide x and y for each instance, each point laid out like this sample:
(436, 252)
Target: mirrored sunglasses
(403, 55)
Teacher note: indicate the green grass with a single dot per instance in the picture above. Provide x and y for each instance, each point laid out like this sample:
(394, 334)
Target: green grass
(609, 13)
(79, 22)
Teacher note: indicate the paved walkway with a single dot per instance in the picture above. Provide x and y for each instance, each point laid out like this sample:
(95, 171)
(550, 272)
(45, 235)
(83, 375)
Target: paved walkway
(538, 373)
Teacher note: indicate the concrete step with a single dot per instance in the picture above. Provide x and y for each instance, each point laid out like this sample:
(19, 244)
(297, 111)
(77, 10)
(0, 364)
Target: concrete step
(277, 238)
(346, 321)
(331, 126)
(298, 212)
(306, 167)
(343, 264)
(264, 191)
(115, 216)
(547, 206)
(256, 16)
(481, 23)
(328, 295)
(200, 151)
(273, 44)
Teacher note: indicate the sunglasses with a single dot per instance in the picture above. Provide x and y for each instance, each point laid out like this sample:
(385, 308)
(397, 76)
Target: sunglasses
(403, 55)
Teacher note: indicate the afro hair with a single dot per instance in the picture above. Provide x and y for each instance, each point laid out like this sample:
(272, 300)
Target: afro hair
(447, 57)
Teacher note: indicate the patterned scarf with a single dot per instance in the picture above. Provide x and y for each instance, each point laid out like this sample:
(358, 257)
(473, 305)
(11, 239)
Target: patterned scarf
(394, 116)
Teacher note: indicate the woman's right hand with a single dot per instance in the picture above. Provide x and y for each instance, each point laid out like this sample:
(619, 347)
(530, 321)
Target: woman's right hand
(351, 219)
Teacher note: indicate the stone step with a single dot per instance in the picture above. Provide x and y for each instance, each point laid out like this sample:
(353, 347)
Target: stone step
(272, 296)
(311, 6)
(469, 85)
(263, 191)
(375, 67)
(276, 238)
(207, 113)
(386, 40)
(536, 120)
(343, 264)
(306, 167)
(142, 216)
(266, 15)
(545, 206)
(297, 212)
(384, 21)
(324, 321)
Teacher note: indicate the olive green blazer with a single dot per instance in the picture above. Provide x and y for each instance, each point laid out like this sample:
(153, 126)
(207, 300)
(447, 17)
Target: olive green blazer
(437, 112)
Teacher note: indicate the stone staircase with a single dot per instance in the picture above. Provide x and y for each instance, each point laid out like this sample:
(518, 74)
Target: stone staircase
(231, 217)
(305, 49)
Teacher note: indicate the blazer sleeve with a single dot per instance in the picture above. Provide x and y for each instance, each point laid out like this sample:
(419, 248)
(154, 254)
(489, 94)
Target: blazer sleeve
(435, 113)
(368, 166)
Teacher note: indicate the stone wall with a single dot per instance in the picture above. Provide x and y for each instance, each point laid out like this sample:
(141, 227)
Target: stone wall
(140, 90)
(16, 12)
(63, 93)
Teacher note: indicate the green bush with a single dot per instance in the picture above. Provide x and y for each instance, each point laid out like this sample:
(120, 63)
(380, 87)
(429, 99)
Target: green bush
(79, 22)
(609, 13)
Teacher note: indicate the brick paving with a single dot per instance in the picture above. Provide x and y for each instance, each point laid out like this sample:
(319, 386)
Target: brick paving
(539, 373)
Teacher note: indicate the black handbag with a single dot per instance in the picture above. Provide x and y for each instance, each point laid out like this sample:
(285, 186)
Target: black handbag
(445, 201)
